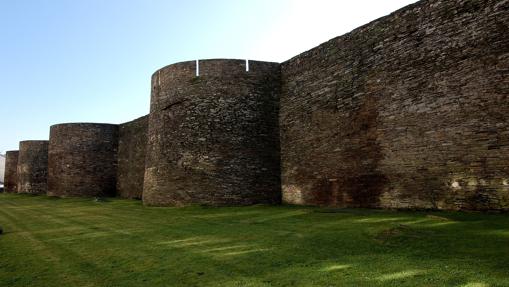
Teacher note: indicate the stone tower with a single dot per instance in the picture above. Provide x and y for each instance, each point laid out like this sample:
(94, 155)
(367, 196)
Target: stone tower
(213, 134)
(33, 167)
(82, 159)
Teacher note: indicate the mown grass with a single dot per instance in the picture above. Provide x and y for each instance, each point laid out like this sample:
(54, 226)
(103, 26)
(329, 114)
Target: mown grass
(79, 242)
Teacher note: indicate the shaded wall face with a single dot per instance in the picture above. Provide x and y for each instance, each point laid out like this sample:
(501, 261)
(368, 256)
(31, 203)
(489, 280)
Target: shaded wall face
(132, 142)
(11, 174)
(33, 167)
(82, 160)
(408, 111)
(213, 139)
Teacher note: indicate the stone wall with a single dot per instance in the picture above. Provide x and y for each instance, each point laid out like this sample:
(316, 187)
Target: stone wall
(33, 167)
(82, 159)
(213, 139)
(409, 111)
(132, 142)
(2, 170)
(11, 174)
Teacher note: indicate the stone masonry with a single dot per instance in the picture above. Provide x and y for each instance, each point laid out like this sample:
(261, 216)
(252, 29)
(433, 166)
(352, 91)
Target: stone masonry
(11, 173)
(132, 142)
(409, 111)
(33, 167)
(213, 139)
(82, 160)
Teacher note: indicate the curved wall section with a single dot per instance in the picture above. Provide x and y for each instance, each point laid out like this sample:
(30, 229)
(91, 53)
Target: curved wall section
(33, 167)
(213, 139)
(82, 159)
(132, 142)
(11, 173)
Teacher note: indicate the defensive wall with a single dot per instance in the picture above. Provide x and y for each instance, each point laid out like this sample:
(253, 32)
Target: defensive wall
(408, 111)
(132, 142)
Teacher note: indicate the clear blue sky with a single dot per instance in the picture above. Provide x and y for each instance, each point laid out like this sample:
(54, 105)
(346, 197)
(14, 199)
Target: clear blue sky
(91, 60)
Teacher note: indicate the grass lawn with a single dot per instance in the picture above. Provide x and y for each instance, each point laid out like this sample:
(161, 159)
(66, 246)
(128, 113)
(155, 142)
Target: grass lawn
(79, 242)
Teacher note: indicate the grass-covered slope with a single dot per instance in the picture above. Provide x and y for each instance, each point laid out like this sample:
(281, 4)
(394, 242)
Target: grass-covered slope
(79, 242)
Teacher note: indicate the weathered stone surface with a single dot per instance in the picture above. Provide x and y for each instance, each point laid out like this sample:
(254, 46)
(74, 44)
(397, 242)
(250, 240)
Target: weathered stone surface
(11, 171)
(132, 142)
(213, 139)
(33, 167)
(409, 111)
(82, 160)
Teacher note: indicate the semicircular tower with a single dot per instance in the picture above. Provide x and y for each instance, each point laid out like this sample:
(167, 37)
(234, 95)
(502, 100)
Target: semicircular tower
(32, 167)
(82, 160)
(213, 137)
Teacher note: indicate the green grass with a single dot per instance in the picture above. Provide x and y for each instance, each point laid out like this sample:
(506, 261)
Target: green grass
(79, 242)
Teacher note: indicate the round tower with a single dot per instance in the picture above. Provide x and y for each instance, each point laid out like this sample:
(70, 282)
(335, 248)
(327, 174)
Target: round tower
(213, 134)
(33, 167)
(11, 173)
(82, 160)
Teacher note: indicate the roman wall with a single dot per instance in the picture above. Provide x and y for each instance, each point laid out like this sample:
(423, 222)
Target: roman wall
(82, 160)
(32, 167)
(11, 174)
(213, 138)
(409, 111)
(132, 142)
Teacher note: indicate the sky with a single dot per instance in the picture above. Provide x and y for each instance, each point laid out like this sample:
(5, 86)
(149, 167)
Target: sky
(91, 60)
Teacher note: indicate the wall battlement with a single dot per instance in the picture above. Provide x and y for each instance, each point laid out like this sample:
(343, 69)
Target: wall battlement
(215, 67)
